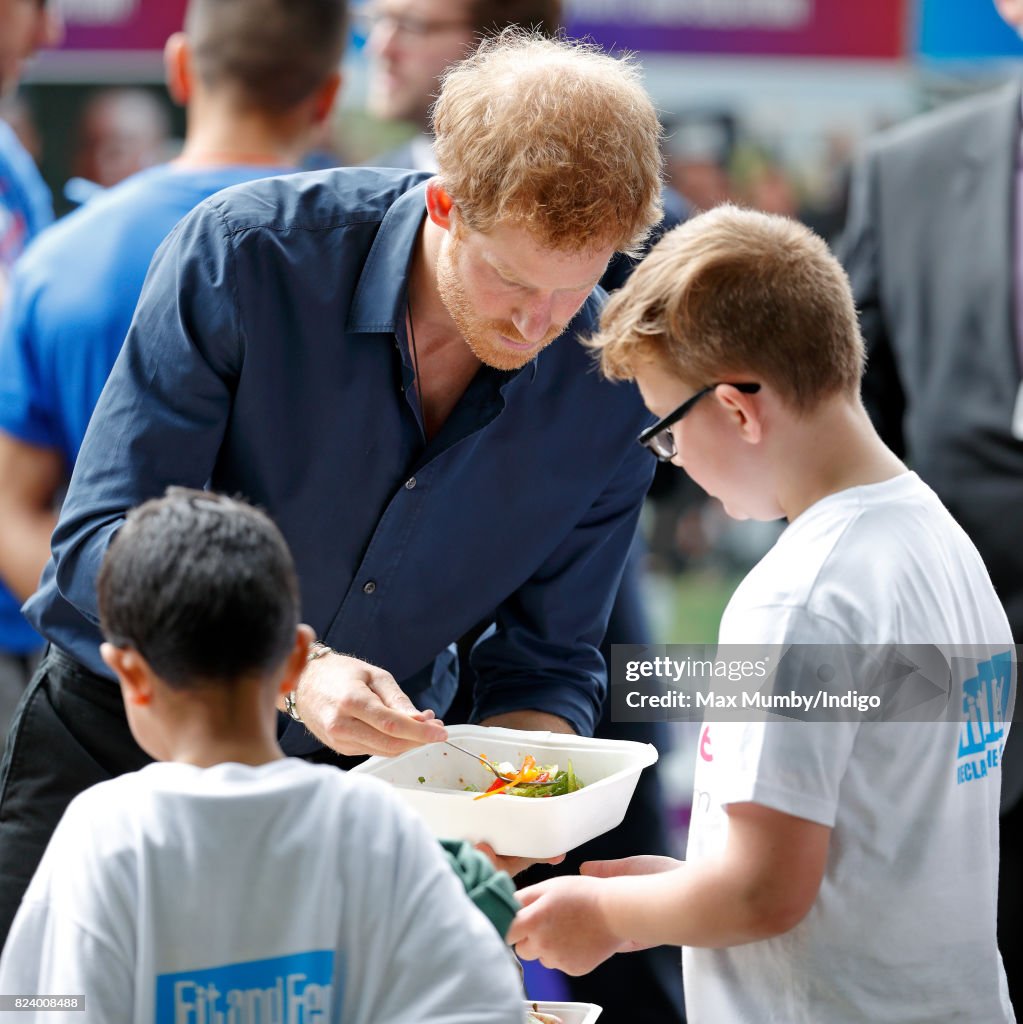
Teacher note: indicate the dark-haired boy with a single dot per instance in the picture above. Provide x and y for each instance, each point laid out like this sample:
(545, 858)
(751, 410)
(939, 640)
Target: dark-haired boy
(838, 871)
(230, 882)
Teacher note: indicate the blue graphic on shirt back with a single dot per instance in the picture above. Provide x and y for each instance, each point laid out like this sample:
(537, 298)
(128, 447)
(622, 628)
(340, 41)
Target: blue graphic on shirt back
(296, 989)
(985, 704)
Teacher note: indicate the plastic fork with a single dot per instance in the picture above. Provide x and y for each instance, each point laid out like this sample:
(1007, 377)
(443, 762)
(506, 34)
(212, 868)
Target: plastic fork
(493, 768)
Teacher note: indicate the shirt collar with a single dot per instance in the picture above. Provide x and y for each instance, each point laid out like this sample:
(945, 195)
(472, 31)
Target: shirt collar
(379, 302)
(380, 297)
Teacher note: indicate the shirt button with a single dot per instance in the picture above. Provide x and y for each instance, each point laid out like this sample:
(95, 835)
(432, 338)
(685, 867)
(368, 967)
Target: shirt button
(410, 483)
(368, 588)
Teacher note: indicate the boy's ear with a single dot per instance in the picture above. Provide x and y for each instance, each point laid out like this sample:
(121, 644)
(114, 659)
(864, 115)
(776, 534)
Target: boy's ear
(177, 68)
(293, 668)
(132, 671)
(439, 205)
(744, 410)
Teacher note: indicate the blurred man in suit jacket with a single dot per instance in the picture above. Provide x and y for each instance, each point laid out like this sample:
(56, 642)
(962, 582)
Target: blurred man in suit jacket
(934, 248)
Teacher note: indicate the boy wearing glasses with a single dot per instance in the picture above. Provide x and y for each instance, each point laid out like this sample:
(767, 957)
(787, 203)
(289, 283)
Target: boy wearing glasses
(839, 870)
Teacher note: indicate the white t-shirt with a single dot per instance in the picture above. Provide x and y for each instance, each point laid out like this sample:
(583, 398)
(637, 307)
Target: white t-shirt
(286, 893)
(903, 928)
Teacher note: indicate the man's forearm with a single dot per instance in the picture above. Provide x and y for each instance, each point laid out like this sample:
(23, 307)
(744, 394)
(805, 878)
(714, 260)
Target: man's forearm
(24, 548)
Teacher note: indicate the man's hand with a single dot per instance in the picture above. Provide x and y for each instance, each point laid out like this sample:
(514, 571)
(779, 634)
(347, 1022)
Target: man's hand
(356, 708)
(562, 925)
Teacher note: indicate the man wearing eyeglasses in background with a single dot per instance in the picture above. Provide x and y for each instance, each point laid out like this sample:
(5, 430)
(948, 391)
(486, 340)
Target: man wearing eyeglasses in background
(410, 44)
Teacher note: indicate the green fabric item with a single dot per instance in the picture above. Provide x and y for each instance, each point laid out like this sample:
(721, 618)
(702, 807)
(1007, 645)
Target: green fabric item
(491, 890)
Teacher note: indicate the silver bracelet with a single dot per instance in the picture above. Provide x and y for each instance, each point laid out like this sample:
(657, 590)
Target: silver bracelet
(316, 650)
(289, 706)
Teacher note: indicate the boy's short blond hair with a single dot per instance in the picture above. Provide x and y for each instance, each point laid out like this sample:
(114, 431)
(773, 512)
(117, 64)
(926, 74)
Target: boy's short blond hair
(553, 135)
(736, 292)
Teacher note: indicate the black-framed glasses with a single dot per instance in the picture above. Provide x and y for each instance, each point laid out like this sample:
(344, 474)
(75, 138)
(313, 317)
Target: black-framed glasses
(659, 438)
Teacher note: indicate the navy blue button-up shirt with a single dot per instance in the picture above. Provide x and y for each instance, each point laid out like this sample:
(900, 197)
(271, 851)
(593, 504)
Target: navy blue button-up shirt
(268, 358)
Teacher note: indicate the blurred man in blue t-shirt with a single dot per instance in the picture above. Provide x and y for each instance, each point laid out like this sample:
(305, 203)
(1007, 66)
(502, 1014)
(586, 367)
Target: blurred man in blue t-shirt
(256, 77)
(25, 209)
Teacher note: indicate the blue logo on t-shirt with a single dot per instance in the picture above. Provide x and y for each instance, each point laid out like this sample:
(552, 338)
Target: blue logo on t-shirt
(985, 703)
(297, 989)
